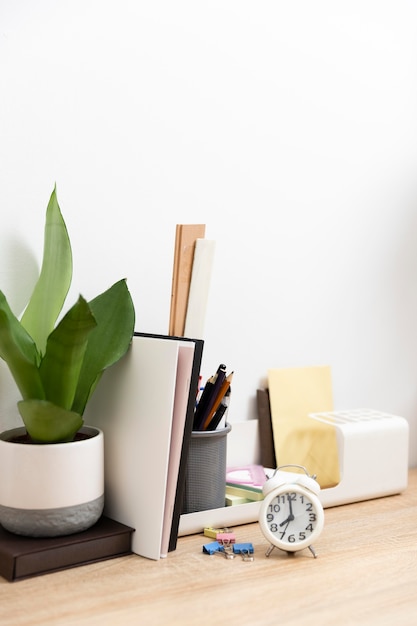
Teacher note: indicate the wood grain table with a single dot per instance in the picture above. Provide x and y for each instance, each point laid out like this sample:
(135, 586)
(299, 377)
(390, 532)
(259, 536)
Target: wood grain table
(365, 573)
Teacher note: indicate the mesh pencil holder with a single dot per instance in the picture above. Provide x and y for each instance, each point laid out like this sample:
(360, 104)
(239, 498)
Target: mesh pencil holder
(205, 484)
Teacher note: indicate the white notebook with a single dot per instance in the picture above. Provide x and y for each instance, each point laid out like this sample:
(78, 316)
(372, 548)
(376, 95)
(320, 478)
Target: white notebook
(134, 406)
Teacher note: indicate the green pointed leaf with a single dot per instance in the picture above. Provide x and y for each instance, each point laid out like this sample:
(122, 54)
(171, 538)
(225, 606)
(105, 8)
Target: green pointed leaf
(108, 342)
(57, 370)
(65, 349)
(20, 353)
(54, 281)
(47, 423)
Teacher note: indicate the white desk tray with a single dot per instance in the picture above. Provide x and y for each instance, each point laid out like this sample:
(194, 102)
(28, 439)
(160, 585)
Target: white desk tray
(373, 457)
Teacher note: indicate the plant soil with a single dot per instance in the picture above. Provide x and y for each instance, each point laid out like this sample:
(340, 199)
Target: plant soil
(25, 438)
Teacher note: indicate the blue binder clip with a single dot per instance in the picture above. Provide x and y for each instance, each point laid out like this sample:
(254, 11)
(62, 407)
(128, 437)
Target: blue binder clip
(211, 548)
(245, 550)
(217, 548)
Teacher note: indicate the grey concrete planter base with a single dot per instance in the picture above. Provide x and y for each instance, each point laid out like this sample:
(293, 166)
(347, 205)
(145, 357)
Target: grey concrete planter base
(51, 522)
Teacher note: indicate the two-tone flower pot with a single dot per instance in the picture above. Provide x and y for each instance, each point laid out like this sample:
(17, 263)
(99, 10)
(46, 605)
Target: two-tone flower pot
(47, 490)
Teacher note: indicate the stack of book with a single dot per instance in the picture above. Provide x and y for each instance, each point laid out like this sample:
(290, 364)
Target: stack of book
(145, 407)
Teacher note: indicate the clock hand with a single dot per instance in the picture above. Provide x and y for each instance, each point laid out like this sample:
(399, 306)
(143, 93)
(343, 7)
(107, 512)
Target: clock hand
(286, 522)
(290, 517)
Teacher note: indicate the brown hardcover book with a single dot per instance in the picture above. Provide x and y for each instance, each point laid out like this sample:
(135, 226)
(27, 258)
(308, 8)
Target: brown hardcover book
(23, 557)
(266, 437)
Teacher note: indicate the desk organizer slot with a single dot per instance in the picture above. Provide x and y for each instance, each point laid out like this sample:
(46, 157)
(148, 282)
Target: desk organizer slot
(373, 455)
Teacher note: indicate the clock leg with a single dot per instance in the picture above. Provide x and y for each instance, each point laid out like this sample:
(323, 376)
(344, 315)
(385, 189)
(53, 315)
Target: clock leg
(312, 551)
(268, 552)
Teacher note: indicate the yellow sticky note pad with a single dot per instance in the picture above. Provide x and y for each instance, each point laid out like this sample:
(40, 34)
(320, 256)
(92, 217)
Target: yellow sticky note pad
(232, 500)
(298, 439)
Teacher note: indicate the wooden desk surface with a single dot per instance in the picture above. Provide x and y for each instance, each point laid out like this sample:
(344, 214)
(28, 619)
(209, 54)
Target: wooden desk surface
(365, 573)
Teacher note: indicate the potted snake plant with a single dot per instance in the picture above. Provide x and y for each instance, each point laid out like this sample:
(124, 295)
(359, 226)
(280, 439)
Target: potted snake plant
(52, 467)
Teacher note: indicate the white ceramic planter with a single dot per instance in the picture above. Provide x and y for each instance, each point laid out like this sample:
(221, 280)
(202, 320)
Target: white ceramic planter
(48, 490)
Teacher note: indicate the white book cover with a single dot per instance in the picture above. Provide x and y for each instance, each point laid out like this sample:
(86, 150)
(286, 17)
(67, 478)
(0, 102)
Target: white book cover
(133, 405)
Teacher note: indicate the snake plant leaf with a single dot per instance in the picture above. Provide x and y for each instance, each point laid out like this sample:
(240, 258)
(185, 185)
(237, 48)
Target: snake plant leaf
(47, 423)
(54, 281)
(20, 353)
(65, 349)
(108, 342)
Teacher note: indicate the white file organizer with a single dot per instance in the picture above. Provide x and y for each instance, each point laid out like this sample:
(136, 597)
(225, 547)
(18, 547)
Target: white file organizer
(373, 455)
(373, 460)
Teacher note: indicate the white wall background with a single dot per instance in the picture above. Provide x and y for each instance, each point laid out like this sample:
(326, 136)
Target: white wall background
(288, 128)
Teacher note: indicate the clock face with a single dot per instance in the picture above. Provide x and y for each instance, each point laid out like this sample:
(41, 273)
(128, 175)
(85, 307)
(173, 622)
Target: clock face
(291, 517)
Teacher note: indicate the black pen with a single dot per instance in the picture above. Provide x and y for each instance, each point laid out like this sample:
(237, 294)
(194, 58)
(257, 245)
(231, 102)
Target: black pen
(208, 397)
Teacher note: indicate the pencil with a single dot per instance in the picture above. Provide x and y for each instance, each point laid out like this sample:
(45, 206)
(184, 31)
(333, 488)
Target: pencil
(221, 394)
(216, 419)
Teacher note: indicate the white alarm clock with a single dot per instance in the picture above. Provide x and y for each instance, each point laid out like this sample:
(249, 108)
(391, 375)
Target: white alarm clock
(291, 516)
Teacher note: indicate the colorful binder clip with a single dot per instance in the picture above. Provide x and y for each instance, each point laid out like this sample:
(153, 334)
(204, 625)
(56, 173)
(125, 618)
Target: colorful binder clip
(211, 548)
(218, 548)
(226, 538)
(245, 550)
(212, 532)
